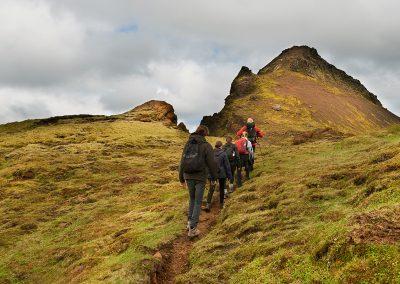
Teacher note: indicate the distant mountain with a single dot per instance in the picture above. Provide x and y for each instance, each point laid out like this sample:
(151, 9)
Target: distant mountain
(300, 91)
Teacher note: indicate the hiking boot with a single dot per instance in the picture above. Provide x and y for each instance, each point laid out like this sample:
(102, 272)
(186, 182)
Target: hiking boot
(193, 232)
(231, 188)
(208, 207)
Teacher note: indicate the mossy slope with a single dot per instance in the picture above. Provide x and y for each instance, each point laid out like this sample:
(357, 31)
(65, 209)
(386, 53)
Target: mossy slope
(321, 212)
(87, 199)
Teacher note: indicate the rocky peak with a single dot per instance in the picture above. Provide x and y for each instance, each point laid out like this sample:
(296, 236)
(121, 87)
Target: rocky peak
(307, 61)
(153, 111)
(302, 59)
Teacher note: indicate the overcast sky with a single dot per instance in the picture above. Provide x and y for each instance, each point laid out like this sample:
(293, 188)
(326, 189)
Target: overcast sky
(104, 57)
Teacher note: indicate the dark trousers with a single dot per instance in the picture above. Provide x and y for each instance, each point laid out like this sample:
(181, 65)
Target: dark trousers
(244, 162)
(233, 171)
(196, 192)
(252, 159)
(222, 184)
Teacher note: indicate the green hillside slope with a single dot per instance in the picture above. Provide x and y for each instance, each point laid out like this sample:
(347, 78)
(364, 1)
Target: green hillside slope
(87, 199)
(320, 212)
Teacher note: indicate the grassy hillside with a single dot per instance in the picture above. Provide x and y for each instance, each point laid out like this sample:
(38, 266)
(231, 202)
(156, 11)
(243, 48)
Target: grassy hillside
(87, 199)
(320, 212)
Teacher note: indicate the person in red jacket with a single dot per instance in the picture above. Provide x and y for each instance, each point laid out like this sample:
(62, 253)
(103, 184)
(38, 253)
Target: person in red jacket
(253, 132)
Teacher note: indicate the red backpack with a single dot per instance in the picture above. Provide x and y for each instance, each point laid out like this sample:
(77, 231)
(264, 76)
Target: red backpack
(242, 146)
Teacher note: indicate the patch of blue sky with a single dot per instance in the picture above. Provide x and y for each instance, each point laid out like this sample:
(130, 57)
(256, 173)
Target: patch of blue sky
(129, 28)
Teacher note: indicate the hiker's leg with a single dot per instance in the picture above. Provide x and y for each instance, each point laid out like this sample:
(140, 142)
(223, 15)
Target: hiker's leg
(251, 160)
(251, 164)
(239, 173)
(192, 190)
(233, 169)
(232, 180)
(247, 166)
(199, 191)
(222, 183)
(210, 193)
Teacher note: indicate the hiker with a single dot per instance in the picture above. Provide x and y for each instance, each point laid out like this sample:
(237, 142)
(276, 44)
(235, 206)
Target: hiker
(245, 150)
(232, 152)
(224, 171)
(196, 162)
(253, 132)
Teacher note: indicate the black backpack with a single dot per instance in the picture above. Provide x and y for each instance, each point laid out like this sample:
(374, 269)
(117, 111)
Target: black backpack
(230, 151)
(251, 134)
(219, 160)
(193, 162)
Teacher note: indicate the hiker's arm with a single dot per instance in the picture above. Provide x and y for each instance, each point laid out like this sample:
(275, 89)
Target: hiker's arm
(260, 134)
(181, 178)
(210, 162)
(240, 132)
(227, 167)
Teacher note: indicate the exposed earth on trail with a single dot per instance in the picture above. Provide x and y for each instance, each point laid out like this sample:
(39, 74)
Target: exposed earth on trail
(175, 257)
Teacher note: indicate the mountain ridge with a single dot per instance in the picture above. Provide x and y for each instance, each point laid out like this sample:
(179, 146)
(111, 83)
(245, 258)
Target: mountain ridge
(300, 91)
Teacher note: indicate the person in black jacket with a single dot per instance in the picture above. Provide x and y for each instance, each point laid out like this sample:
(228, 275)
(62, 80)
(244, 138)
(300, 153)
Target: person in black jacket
(224, 171)
(196, 162)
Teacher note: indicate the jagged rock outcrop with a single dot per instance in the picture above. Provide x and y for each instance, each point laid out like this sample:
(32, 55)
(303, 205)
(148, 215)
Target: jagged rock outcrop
(153, 111)
(243, 84)
(182, 126)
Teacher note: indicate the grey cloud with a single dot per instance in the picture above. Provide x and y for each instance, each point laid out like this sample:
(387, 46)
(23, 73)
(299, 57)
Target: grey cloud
(107, 57)
(15, 112)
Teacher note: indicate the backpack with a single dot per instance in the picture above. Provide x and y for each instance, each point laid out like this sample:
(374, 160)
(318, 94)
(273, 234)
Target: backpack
(252, 134)
(230, 151)
(193, 162)
(219, 160)
(242, 146)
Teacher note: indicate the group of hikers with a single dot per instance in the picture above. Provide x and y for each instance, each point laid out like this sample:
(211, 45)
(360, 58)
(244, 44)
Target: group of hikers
(200, 162)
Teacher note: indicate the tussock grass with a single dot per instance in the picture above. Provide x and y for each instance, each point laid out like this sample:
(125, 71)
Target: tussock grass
(323, 212)
(87, 201)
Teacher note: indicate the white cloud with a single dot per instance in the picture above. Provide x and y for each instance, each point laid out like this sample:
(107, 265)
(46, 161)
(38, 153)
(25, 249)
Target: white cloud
(36, 46)
(21, 103)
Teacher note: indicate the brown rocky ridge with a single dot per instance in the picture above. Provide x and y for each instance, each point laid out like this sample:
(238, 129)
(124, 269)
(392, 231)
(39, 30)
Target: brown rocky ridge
(300, 91)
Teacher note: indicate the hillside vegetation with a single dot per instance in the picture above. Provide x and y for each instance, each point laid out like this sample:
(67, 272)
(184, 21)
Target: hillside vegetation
(87, 199)
(319, 212)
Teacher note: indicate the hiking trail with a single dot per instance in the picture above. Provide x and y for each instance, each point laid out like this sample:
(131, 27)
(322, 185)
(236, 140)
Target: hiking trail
(175, 258)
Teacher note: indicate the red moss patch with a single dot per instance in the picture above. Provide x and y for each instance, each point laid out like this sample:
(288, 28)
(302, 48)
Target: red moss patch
(317, 134)
(382, 227)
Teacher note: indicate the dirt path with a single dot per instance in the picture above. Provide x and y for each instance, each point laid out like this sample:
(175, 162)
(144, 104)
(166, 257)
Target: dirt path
(176, 258)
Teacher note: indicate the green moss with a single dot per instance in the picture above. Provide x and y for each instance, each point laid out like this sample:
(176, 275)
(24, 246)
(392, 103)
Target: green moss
(293, 221)
(84, 202)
